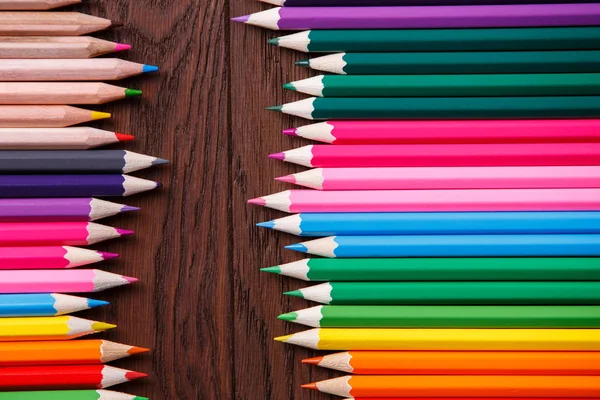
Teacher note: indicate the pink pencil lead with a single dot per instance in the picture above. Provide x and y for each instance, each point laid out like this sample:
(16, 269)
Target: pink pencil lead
(286, 179)
(122, 47)
(108, 256)
(259, 201)
(124, 232)
(277, 156)
(290, 132)
(130, 279)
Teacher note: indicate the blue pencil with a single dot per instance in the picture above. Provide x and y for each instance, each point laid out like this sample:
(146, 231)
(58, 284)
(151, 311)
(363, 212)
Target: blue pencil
(453, 246)
(442, 223)
(44, 305)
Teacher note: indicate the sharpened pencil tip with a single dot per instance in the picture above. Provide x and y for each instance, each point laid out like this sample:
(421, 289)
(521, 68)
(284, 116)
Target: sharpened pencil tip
(288, 317)
(132, 93)
(140, 398)
(160, 161)
(294, 293)
(259, 201)
(243, 18)
(133, 375)
(97, 303)
(102, 326)
(108, 256)
(129, 208)
(96, 115)
(312, 386)
(121, 137)
(297, 247)
(149, 68)
(116, 24)
(137, 350)
(268, 224)
(303, 63)
(274, 108)
(312, 361)
(124, 232)
(290, 132)
(286, 179)
(274, 41)
(130, 279)
(289, 86)
(283, 339)
(159, 185)
(272, 270)
(277, 156)
(122, 47)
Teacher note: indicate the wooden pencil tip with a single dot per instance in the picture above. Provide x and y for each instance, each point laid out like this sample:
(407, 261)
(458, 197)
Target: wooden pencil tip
(312, 386)
(114, 24)
(312, 361)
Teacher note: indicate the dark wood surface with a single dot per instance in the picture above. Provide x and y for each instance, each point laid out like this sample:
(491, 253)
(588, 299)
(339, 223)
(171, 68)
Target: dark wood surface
(202, 305)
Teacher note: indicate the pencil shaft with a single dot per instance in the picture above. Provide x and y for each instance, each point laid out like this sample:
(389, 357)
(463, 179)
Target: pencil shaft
(387, 3)
(55, 47)
(68, 70)
(35, 4)
(48, 257)
(36, 93)
(45, 116)
(78, 138)
(68, 395)
(50, 23)
(54, 233)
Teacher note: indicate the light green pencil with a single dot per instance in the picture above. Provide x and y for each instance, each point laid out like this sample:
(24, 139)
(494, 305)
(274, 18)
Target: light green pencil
(69, 395)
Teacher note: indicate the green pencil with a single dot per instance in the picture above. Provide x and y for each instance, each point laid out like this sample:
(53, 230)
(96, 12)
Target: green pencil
(417, 40)
(449, 85)
(501, 62)
(442, 269)
(530, 317)
(376, 108)
(69, 395)
(452, 293)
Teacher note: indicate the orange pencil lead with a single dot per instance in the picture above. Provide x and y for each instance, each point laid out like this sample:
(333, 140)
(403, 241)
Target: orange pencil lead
(137, 350)
(312, 386)
(312, 361)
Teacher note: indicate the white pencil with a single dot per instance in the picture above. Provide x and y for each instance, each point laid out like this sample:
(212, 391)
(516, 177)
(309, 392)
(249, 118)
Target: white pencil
(77, 138)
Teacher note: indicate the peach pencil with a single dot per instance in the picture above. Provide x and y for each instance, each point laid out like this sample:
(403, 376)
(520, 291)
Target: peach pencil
(53, 47)
(16, 23)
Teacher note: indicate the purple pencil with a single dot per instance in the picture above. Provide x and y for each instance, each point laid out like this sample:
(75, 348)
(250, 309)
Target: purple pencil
(62, 210)
(387, 3)
(32, 186)
(489, 16)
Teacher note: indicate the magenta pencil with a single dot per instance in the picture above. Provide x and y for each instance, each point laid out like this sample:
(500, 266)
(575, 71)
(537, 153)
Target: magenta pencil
(447, 178)
(56, 233)
(303, 201)
(444, 155)
(49, 257)
(439, 132)
(63, 281)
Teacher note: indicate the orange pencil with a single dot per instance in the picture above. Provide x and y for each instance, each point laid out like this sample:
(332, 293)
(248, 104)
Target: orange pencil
(460, 386)
(64, 352)
(461, 362)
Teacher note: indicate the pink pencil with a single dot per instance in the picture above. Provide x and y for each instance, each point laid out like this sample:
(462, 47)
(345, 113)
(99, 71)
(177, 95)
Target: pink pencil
(446, 178)
(58, 257)
(56, 233)
(444, 155)
(299, 201)
(65, 281)
(432, 132)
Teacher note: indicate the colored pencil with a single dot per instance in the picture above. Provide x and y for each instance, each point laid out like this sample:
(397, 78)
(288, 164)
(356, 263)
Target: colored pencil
(461, 362)
(460, 385)
(520, 15)
(384, 3)
(46, 116)
(26, 186)
(58, 257)
(67, 281)
(43, 305)
(304, 201)
(35, 4)
(482, 85)
(442, 107)
(76, 161)
(440, 132)
(517, 62)
(467, 223)
(442, 269)
(48, 328)
(74, 352)
(71, 70)
(53, 47)
(437, 155)
(59, 210)
(452, 293)
(527, 317)
(57, 233)
(558, 245)
(447, 339)
(36, 93)
(69, 395)
(447, 178)
(454, 398)
(64, 377)
(433, 40)
(50, 23)
(78, 138)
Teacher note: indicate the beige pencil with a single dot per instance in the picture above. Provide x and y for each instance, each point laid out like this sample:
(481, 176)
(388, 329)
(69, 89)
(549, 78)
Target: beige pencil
(17, 23)
(35, 4)
(56, 47)
(46, 116)
(39, 93)
(71, 70)
(78, 138)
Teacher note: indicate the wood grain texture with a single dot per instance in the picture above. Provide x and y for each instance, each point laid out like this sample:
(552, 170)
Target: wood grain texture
(202, 305)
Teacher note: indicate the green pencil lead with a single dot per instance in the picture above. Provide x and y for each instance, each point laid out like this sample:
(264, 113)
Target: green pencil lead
(132, 93)
(289, 86)
(274, 41)
(294, 293)
(288, 317)
(140, 398)
(303, 63)
(274, 108)
(273, 270)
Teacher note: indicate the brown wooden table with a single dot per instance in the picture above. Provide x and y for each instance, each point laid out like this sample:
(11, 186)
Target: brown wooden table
(202, 305)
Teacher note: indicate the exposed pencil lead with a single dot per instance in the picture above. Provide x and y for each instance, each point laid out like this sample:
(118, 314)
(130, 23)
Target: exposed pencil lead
(274, 108)
(288, 317)
(277, 156)
(312, 386)
(243, 18)
(290, 132)
(272, 270)
(294, 293)
(312, 361)
(289, 86)
(149, 68)
(268, 224)
(274, 41)
(303, 63)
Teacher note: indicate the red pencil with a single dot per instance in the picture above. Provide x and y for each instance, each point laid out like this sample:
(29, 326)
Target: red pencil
(64, 377)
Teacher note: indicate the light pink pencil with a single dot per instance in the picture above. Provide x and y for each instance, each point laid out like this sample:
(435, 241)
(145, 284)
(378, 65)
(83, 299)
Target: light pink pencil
(65, 281)
(446, 178)
(297, 201)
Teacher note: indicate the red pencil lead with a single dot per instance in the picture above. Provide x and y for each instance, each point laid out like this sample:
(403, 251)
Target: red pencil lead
(133, 375)
(312, 386)
(312, 361)
(124, 137)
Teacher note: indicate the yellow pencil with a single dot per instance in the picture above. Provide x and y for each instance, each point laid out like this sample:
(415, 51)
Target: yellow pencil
(48, 328)
(448, 339)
